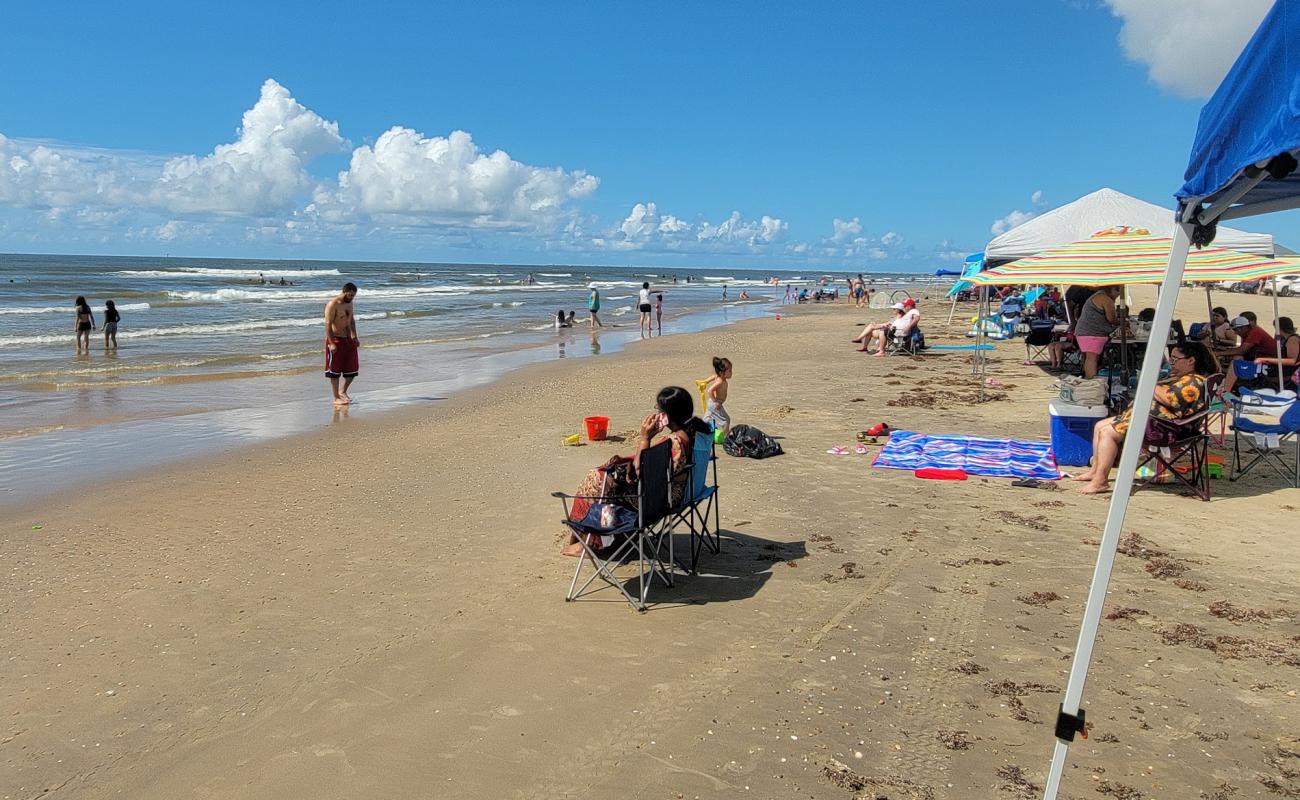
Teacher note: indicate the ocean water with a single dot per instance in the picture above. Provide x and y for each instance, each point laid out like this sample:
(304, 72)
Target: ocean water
(202, 338)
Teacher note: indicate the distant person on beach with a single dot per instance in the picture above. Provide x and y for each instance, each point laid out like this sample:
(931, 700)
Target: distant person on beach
(715, 396)
(561, 321)
(341, 343)
(744, 294)
(593, 305)
(84, 324)
(573, 319)
(644, 306)
(724, 291)
(111, 318)
(659, 312)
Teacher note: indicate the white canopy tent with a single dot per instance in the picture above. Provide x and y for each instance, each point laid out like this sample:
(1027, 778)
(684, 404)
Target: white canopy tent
(1104, 208)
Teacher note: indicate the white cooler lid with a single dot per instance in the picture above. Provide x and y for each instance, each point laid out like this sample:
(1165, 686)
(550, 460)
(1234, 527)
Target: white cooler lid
(1059, 409)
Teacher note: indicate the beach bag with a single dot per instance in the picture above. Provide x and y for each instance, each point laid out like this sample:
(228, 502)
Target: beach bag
(746, 441)
(1081, 391)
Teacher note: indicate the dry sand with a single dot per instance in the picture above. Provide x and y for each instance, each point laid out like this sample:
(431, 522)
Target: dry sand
(377, 611)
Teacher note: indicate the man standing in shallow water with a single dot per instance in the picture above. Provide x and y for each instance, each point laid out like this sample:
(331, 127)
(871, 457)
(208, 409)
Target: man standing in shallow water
(341, 343)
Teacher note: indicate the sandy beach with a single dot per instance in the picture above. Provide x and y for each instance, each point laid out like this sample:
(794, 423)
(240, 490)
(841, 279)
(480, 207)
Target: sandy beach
(376, 610)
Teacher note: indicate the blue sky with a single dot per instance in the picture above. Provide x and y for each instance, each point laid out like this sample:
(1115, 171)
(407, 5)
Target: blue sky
(751, 128)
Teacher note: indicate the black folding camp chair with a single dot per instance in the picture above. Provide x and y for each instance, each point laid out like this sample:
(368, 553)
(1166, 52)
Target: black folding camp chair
(1041, 335)
(909, 344)
(698, 511)
(635, 537)
(1181, 448)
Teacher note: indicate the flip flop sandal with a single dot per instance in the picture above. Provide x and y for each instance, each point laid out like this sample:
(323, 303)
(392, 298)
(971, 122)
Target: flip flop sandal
(1027, 483)
(838, 451)
(861, 449)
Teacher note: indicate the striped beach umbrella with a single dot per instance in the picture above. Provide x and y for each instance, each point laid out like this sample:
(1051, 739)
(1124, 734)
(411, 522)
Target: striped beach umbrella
(1128, 255)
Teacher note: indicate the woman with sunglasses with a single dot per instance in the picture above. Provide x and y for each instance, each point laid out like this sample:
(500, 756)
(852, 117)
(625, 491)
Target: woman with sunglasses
(1177, 397)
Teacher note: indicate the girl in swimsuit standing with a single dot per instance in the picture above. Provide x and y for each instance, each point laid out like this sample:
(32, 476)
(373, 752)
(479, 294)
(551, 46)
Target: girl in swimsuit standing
(84, 325)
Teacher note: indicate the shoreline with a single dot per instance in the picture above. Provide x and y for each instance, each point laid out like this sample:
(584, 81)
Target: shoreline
(43, 462)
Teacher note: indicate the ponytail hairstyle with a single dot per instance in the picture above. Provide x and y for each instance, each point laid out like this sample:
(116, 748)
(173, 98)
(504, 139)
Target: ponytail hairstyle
(721, 365)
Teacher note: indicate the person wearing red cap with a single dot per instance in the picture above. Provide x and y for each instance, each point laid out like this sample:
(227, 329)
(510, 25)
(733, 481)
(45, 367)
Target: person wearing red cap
(902, 327)
(872, 329)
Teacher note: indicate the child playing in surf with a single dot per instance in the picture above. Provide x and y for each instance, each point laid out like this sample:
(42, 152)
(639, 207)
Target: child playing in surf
(715, 396)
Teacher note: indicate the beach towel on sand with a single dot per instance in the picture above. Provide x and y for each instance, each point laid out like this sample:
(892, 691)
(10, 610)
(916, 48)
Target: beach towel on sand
(993, 458)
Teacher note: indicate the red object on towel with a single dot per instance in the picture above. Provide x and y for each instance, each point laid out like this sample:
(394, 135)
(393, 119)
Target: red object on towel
(941, 474)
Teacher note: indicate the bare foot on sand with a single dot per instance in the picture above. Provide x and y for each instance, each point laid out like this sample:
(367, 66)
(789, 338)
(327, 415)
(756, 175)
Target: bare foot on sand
(1094, 488)
(878, 355)
(574, 550)
(1083, 476)
(343, 399)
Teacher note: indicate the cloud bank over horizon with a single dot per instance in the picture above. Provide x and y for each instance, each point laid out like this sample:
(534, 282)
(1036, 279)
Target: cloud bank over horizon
(405, 185)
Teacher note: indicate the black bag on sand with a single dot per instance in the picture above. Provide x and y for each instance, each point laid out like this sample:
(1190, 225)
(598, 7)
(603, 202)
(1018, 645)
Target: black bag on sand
(746, 441)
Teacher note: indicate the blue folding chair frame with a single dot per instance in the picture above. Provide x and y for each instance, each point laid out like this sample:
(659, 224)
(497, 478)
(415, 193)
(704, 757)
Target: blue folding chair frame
(1287, 429)
(699, 511)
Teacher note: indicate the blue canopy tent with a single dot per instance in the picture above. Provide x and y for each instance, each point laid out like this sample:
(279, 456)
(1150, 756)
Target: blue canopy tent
(1243, 163)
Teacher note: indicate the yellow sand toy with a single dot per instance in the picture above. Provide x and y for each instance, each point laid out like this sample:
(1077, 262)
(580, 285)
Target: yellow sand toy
(573, 440)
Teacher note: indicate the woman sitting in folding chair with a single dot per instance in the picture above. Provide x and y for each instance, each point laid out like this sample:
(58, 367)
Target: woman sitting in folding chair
(616, 480)
(1181, 395)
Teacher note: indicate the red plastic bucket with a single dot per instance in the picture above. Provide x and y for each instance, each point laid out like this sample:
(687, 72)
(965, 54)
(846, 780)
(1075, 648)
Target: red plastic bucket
(597, 428)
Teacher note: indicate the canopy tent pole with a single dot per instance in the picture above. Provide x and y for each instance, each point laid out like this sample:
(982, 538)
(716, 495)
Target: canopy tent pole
(1209, 305)
(1070, 721)
(1281, 386)
(953, 310)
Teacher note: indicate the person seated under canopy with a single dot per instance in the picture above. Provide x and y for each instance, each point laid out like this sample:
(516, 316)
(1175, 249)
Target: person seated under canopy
(1178, 397)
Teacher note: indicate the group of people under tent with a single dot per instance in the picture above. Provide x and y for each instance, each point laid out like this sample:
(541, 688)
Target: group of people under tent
(1249, 353)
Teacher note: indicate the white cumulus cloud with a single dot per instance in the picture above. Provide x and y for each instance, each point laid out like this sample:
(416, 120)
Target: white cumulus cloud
(1012, 220)
(845, 230)
(1187, 45)
(434, 180)
(646, 228)
(1036, 197)
(262, 171)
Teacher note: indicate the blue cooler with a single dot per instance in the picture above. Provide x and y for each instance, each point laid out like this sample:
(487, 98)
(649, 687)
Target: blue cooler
(1072, 432)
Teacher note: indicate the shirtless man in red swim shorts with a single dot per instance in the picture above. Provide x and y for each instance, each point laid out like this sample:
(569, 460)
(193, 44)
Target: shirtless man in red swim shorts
(341, 343)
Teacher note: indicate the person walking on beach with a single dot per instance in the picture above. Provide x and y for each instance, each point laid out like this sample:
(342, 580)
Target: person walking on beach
(341, 343)
(84, 324)
(659, 312)
(643, 305)
(593, 305)
(111, 318)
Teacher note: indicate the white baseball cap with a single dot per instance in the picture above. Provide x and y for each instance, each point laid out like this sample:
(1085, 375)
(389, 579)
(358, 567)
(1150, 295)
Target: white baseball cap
(899, 307)
(591, 285)
(1240, 322)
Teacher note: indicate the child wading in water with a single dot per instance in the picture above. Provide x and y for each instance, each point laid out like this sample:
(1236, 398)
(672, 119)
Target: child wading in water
(111, 318)
(715, 396)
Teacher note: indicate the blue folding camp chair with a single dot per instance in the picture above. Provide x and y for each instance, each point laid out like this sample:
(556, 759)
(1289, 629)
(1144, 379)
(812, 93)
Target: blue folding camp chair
(699, 511)
(634, 536)
(1264, 443)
